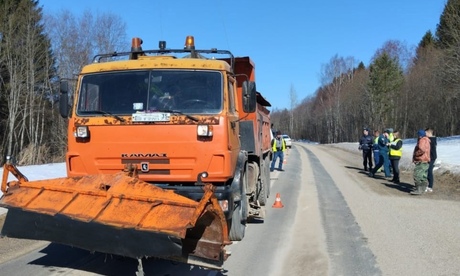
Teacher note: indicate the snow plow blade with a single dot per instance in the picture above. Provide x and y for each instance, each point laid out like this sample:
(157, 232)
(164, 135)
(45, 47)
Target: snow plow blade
(116, 214)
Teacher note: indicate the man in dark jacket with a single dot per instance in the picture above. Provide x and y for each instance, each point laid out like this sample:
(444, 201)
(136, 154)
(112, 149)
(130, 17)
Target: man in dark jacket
(365, 144)
(383, 144)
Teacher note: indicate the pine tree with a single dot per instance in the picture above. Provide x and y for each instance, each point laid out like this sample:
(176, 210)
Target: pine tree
(26, 69)
(385, 80)
(447, 30)
(425, 46)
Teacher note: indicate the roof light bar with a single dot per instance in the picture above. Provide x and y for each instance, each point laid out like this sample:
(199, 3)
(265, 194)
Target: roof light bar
(189, 43)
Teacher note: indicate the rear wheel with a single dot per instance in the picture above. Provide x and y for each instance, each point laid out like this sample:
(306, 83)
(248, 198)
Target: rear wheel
(267, 175)
(262, 183)
(262, 194)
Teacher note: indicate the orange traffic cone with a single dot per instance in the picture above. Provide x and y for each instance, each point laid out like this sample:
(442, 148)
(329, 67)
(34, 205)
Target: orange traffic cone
(278, 203)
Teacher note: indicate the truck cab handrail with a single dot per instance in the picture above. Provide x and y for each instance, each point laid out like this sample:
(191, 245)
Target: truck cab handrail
(193, 52)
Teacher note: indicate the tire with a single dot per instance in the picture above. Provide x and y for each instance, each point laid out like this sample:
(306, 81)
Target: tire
(237, 224)
(258, 180)
(267, 175)
(240, 212)
(262, 193)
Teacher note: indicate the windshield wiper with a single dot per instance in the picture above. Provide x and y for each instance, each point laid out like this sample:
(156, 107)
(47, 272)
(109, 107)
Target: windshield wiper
(105, 113)
(178, 112)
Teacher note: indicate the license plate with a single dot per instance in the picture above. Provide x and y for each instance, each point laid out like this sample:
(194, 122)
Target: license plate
(151, 117)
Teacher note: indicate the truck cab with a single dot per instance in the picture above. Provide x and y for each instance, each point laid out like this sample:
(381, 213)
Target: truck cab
(172, 114)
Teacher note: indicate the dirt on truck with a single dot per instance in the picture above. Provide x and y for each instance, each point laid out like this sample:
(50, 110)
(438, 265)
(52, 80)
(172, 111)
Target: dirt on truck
(168, 156)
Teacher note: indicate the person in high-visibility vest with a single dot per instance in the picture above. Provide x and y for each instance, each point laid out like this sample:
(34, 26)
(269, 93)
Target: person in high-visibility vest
(278, 146)
(375, 148)
(390, 134)
(395, 155)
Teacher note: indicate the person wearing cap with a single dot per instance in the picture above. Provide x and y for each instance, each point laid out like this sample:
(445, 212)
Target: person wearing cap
(390, 134)
(365, 144)
(384, 161)
(278, 146)
(421, 159)
(395, 156)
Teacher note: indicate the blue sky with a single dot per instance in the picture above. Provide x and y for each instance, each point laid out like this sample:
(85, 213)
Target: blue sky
(289, 41)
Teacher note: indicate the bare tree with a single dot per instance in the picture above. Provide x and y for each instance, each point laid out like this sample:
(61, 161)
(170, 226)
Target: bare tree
(335, 75)
(293, 101)
(75, 41)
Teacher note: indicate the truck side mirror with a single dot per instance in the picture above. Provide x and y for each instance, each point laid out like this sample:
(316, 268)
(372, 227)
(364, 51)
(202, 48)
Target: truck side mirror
(64, 99)
(249, 96)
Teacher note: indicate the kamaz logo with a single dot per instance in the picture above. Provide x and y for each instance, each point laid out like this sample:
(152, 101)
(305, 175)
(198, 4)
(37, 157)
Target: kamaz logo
(143, 155)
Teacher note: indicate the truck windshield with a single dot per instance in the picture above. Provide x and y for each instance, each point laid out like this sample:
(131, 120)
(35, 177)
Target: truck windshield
(128, 92)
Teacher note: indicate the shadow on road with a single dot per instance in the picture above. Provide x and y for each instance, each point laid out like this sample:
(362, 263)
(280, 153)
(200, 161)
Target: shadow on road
(403, 187)
(355, 168)
(59, 258)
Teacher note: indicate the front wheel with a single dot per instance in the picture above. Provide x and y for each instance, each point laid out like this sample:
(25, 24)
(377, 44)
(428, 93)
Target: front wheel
(237, 223)
(240, 210)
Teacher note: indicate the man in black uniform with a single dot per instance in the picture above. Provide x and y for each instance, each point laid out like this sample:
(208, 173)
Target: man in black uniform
(365, 144)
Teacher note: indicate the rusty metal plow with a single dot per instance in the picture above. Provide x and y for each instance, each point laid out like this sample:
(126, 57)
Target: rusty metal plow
(116, 214)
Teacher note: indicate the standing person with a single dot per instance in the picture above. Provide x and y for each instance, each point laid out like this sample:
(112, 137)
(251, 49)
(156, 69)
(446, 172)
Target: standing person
(395, 155)
(390, 139)
(433, 155)
(390, 134)
(383, 155)
(421, 158)
(375, 147)
(278, 146)
(365, 144)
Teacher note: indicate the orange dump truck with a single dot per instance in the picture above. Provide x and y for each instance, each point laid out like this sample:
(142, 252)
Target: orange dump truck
(168, 156)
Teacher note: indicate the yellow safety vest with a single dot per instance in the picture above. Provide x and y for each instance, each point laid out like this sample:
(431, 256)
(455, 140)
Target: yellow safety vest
(376, 140)
(395, 152)
(390, 137)
(283, 145)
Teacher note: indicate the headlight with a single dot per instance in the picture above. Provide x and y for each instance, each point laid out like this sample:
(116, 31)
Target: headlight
(81, 132)
(204, 130)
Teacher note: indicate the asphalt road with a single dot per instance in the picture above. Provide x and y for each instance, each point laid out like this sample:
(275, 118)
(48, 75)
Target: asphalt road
(335, 221)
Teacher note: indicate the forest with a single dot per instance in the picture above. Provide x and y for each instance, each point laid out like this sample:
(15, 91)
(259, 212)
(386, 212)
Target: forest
(402, 88)
(37, 51)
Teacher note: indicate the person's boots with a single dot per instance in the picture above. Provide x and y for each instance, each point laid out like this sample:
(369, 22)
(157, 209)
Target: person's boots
(419, 190)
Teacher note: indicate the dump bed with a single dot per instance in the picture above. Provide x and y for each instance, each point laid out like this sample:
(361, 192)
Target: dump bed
(254, 127)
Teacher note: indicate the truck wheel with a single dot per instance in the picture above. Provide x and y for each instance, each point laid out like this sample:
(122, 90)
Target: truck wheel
(267, 176)
(237, 223)
(262, 192)
(263, 189)
(261, 195)
(240, 211)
